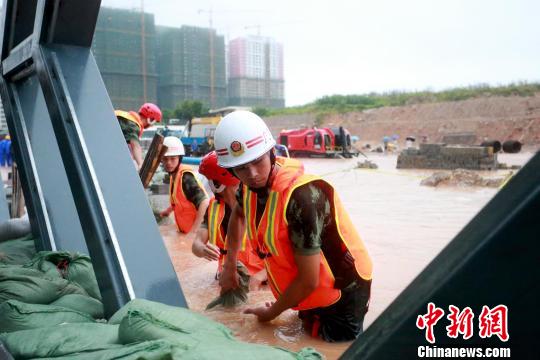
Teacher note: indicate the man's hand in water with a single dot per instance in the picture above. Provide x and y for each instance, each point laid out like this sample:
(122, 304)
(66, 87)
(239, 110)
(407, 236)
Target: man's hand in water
(263, 313)
(210, 252)
(229, 278)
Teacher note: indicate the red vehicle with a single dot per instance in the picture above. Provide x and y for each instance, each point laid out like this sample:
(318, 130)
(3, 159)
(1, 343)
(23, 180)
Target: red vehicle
(308, 142)
(320, 142)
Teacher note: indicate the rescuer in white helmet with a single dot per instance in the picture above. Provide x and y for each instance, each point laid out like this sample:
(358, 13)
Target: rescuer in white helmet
(316, 262)
(188, 198)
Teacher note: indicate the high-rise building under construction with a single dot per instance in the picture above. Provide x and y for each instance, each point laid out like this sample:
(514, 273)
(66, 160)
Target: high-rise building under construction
(256, 72)
(124, 47)
(191, 66)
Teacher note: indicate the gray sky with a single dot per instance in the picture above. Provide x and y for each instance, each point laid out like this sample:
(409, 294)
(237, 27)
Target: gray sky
(353, 47)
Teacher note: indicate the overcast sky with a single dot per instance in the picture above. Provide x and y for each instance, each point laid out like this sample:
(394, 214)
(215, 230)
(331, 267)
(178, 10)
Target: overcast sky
(358, 46)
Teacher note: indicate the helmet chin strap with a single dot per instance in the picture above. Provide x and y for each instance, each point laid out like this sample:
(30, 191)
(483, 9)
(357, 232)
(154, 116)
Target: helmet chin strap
(264, 190)
(272, 167)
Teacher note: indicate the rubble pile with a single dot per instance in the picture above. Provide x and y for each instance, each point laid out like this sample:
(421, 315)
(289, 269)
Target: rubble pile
(461, 178)
(450, 157)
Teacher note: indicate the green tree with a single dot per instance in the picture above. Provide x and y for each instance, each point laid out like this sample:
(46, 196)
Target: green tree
(167, 115)
(189, 109)
(261, 111)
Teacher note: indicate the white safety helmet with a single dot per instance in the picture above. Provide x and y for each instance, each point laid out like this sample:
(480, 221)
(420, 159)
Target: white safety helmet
(240, 138)
(174, 146)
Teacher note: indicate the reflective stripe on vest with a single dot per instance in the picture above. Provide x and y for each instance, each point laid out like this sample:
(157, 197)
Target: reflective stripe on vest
(216, 213)
(273, 237)
(133, 117)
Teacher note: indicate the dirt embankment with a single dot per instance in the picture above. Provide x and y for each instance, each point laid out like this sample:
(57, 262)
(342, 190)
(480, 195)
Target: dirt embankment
(500, 118)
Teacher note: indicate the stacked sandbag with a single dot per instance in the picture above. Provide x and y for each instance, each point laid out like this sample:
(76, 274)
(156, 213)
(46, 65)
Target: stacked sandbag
(227, 349)
(147, 350)
(32, 286)
(17, 251)
(82, 303)
(195, 336)
(61, 340)
(16, 315)
(199, 343)
(183, 319)
(74, 267)
(77, 269)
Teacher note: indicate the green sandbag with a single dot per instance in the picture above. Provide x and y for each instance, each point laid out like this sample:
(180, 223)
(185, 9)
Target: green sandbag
(17, 251)
(140, 326)
(198, 344)
(219, 349)
(82, 303)
(177, 317)
(74, 267)
(234, 297)
(60, 340)
(32, 286)
(46, 267)
(147, 350)
(16, 315)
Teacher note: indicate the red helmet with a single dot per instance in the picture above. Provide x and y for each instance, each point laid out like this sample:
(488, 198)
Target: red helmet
(212, 171)
(150, 111)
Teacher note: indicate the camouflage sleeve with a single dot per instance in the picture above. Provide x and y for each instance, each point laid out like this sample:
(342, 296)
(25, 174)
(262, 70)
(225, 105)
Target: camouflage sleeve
(204, 224)
(192, 189)
(240, 196)
(308, 213)
(129, 129)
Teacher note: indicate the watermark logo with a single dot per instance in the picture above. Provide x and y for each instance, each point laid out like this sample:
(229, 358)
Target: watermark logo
(429, 320)
(491, 322)
(461, 322)
(494, 322)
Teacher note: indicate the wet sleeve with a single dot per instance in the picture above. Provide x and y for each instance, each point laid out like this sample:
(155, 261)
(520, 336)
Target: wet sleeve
(192, 190)
(307, 213)
(129, 129)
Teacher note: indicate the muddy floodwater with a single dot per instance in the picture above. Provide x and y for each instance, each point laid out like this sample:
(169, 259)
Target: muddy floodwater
(403, 224)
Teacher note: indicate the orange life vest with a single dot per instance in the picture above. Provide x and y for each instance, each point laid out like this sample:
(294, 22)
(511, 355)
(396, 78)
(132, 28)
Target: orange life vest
(131, 116)
(216, 236)
(185, 211)
(272, 237)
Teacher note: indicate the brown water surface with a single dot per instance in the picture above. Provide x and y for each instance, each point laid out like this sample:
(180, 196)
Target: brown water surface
(403, 224)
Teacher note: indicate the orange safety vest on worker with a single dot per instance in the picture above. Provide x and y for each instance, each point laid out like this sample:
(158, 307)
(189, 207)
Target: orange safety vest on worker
(185, 211)
(217, 237)
(131, 116)
(272, 236)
